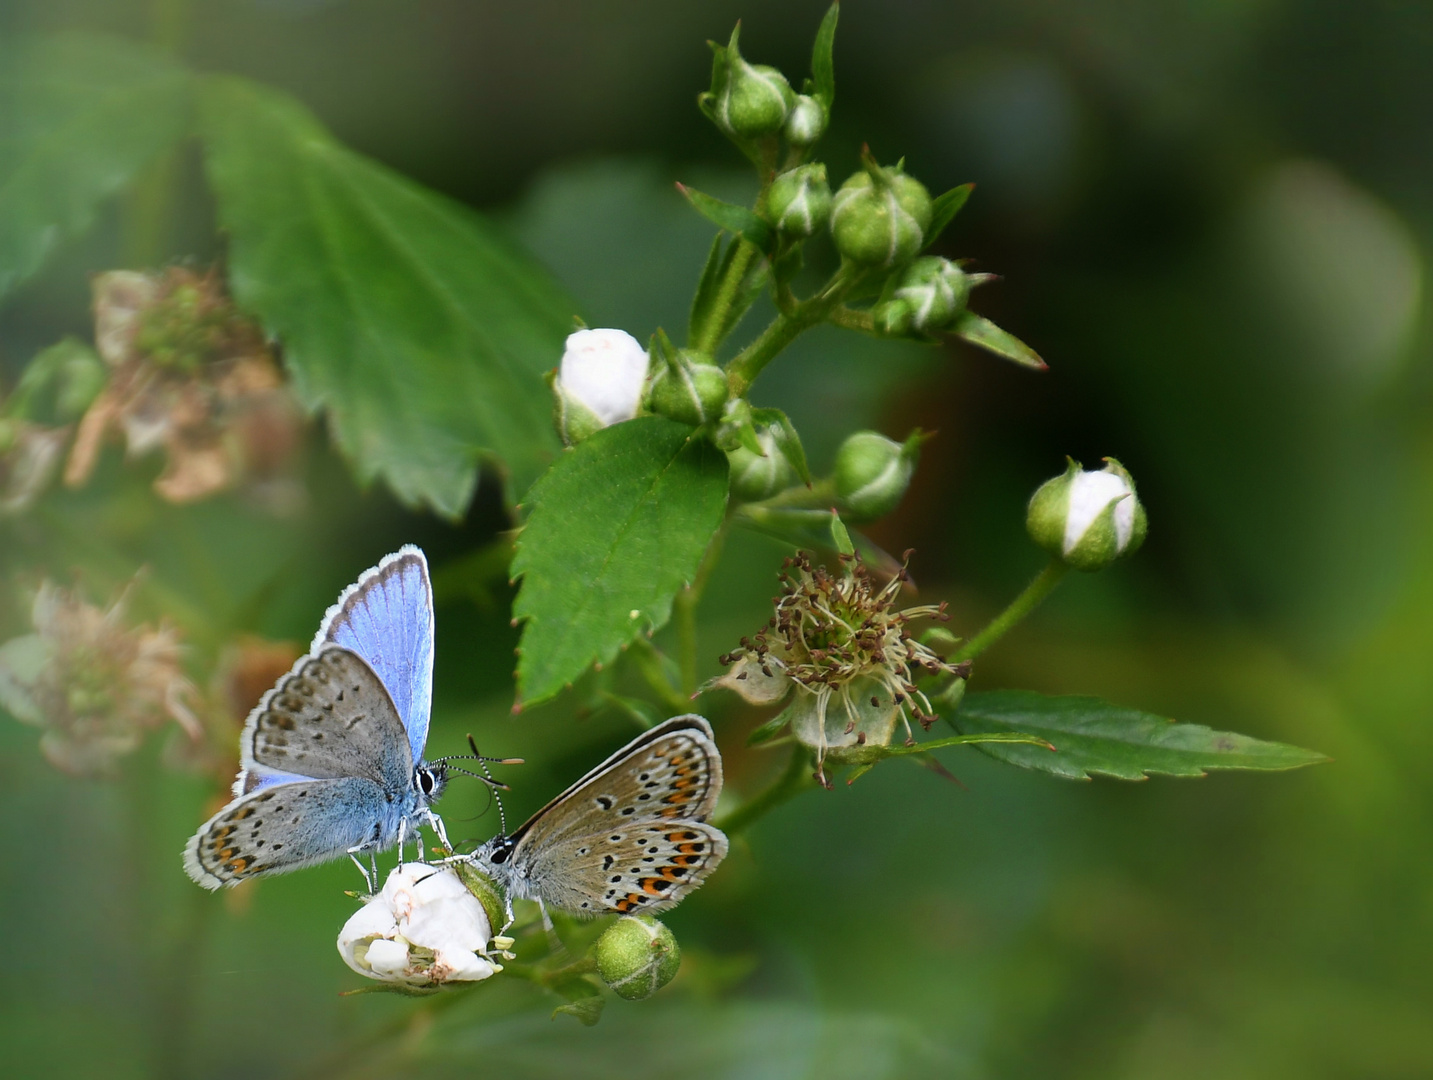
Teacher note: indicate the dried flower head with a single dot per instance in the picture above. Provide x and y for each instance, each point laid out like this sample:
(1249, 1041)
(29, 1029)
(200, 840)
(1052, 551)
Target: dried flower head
(190, 375)
(839, 642)
(93, 684)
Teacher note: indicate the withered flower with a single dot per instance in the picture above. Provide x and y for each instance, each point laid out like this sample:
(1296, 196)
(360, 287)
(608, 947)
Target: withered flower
(93, 684)
(838, 642)
(189, 375)
(29, 458)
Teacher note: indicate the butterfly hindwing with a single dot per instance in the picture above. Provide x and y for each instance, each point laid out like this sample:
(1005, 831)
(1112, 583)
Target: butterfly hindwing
(386, 617)
(631, 834)
(632, 868)
(285, 827)
(329, 717)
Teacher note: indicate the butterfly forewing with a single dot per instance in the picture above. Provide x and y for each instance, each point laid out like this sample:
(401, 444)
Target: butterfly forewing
(386, 617)
(330, 717)
(285, 827)
(630, 834)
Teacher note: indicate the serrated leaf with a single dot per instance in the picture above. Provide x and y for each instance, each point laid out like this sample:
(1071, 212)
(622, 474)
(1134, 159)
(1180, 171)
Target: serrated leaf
(403, 314)
(80, 117)
(944, 209)
(1092, 737)
(986, 335)
(616, 527)
(729, 216)
(823, 67)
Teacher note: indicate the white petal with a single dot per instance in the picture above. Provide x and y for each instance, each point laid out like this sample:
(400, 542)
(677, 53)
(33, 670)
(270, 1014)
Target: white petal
(605, 370)
(460, 966)
(388, 959)
(1090, 493)
(373, 919)
(452, 923)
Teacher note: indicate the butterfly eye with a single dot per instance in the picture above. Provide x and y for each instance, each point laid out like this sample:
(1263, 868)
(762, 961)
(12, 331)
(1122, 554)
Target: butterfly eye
(425, 781)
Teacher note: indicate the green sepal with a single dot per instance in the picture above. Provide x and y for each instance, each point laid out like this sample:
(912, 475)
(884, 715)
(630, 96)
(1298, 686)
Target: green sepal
(718, 258)
(822, 85)
(787, 440)
(984, 334)
(729, 216)
(584, 1000)
(484, 890)
(944, 209)
(738, 428)
(771, 729)
(840, 536)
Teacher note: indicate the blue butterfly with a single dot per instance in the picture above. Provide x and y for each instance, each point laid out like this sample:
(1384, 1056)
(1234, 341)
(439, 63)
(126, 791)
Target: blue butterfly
(333, 755)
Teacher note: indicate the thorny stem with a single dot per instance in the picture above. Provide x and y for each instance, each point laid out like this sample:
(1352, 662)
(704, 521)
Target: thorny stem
(1022, 605)
(794, 779)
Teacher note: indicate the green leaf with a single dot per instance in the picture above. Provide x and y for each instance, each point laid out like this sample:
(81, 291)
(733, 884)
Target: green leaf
(986, 335)
(823, 67)
(617, 526)
(1091, 736)
(402, 313)
(79, 118)
(729, 216)
(944, 209)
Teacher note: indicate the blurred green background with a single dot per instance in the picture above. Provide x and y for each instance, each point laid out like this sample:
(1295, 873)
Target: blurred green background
(1211, 218)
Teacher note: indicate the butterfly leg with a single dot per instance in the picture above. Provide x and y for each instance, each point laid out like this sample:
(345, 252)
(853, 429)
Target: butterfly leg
(402, 837)
(370, 881)
(436, 824)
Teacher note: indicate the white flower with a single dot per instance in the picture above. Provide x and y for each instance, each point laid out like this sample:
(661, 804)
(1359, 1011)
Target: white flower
(604, 371)
(423, 928)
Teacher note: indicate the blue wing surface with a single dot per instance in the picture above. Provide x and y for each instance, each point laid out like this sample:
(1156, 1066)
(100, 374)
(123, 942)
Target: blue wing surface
(386, 617)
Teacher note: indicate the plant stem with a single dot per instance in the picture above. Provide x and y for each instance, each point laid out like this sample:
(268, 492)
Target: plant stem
(649, 665)
(685, 612)
(1044, 583)
(794, 779)
(784, 329)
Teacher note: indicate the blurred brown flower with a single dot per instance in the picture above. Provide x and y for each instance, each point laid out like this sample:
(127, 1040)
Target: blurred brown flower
(190, 375)
(29, 458)
(248, 666)
(93, 684)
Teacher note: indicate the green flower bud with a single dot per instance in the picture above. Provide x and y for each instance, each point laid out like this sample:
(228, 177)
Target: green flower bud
(1087, 519)
(807, 122)
(873, 472)
(799, 201)
(880, 217)
(936, 290)
(754, 477)
(689, 388)
(637, 956)
(746, 100)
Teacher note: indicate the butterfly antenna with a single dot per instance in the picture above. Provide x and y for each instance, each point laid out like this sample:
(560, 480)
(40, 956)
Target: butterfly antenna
(483, 764)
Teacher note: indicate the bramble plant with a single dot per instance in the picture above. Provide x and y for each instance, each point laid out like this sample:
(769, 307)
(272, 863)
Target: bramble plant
(393, 311)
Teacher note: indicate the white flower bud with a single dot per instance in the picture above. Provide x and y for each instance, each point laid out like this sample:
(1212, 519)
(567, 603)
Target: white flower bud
(1088, 519)
(603, 371)
(807, 122)
(424, 928)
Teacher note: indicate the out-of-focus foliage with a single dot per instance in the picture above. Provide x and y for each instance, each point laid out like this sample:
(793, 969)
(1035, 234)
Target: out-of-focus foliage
(1213, 221)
